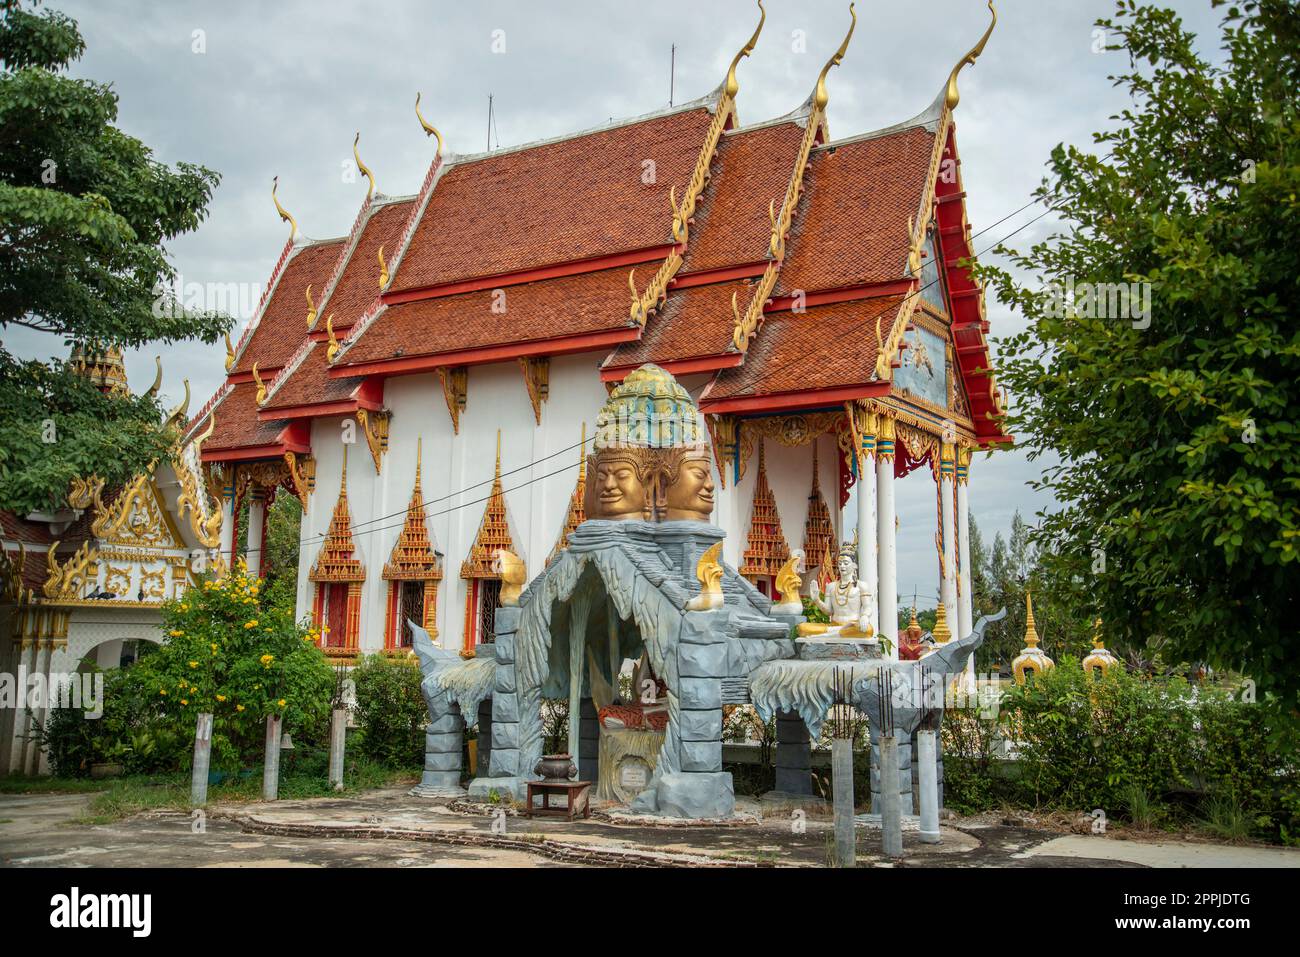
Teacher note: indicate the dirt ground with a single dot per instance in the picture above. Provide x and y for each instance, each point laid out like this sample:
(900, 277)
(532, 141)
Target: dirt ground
(389, 828)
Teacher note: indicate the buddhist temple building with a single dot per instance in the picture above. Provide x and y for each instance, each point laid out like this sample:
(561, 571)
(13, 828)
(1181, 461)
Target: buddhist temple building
(807, 292)
(84, 583)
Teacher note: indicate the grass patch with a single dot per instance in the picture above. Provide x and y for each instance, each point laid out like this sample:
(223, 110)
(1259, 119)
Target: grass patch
(117, 798)
(18, 784)
(1226, 819)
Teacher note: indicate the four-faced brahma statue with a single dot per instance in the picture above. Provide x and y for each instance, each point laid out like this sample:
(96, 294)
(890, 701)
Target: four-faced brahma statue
(651, 461)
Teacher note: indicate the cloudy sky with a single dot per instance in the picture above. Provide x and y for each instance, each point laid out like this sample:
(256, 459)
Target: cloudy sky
(256, 90)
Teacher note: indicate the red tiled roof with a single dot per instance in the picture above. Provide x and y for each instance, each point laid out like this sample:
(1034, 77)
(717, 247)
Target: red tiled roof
(566, 201)
(237, 423)
(358, 285)
(693, 322)
(310, 383)
(823, 348)
(545, 309)
(752, 169)
(851, 223)
(284, 320)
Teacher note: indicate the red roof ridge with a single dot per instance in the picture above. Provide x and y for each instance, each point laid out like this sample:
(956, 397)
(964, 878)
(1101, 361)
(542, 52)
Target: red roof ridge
(930, 119)
(289, 368)
(292, 249)
(369, 207)
(708, 101)
(436, 168)
(223, 390)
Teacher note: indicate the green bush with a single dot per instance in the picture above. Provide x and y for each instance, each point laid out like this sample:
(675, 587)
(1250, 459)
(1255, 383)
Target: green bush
(232, 653)
(1133, 746)
(969, 782)
(390, 711)
(1086, 742)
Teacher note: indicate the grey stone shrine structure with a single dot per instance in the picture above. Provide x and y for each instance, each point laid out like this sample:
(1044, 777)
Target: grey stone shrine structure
(638, 582)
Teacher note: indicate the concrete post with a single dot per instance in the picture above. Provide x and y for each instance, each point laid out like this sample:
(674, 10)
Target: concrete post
(891, 819)
(338, 742)
(842, 786)
(927, 779)
(202, 760)
(271, 764)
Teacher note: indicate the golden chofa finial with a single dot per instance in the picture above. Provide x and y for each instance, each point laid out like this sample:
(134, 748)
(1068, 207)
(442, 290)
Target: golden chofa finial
(284, 213)
(198, 440)
(952, 96)
(177, 414)
(820, 96)
(365, 170)
(383, 268)
(157, 379)
(260, 398)
(311, 308)
(333, 350)
(429, 129)
(732, 87)
(230, 353)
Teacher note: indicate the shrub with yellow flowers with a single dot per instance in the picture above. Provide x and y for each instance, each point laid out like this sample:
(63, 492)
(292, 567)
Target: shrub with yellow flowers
(231, 652)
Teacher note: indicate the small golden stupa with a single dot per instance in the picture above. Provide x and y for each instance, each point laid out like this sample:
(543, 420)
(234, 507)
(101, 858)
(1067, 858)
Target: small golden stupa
(1100, 659)
(1031, 659)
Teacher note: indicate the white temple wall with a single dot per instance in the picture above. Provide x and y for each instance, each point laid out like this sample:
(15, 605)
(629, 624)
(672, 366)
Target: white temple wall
(457, 478)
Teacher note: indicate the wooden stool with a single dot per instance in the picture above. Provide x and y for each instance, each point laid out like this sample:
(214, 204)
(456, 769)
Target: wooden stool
(577, 793)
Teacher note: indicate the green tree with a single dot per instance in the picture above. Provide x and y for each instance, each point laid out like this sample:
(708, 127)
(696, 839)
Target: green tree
(85, 211)
(1179, 478)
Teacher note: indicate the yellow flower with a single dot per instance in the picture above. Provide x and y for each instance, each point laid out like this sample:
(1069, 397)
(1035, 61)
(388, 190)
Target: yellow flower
(281, 702)
(239, 707)
(185, 606)
(221, 697)
(176, 632)
(194, 664)
(162, 690)
(266, 660)
(184, 702)
(251, 624)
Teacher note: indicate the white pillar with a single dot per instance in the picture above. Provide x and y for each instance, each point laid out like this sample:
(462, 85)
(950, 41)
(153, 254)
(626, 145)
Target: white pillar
(928, 781)
(948, 580)
(228, 520)
(887, 556)
(256, 522)
(868, 547)
(965, 600)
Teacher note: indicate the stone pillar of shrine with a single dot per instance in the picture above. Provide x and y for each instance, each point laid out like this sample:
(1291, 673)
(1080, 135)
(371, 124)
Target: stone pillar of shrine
(947, 533)
(256, 523)
(868, 547)
(887, 556)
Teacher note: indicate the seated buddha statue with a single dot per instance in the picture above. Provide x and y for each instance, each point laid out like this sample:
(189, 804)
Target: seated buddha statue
(848, 602)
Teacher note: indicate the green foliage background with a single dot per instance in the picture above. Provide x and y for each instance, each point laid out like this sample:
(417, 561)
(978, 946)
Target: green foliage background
(1178, 441)
(85, 211)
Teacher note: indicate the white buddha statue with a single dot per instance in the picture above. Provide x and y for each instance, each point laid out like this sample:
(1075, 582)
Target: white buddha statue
(848, 603)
